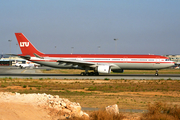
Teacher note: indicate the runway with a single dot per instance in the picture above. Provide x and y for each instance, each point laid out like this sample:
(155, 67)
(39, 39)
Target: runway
(15, 72)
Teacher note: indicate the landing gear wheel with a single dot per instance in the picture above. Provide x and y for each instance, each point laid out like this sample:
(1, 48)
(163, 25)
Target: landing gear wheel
(156, 74)
(89, 74)
(83, 74)
(96, 73)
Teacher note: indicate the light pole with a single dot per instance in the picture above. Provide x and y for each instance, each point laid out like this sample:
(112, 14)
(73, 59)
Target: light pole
(10, 51)
(16, 48)
(72, 50)
(2, 55)
(99, 49)
(10, 46)
(55, 50)
(115, 45)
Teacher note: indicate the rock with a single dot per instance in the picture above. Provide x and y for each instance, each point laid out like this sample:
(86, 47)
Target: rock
(60, 105)
(63, 104)
(85, 116)
(66, 111)
(113, 109)
(76, 111)
(56, 96)
(18, 93)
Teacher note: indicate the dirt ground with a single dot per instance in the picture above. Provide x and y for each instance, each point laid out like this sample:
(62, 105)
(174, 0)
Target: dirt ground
(14, 106)
(22, 111)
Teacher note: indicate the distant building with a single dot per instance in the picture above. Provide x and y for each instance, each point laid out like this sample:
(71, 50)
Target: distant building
(175, 58)
(11, 61)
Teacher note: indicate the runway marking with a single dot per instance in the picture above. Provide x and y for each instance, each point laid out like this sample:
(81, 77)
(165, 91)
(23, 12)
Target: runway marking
(23, 71)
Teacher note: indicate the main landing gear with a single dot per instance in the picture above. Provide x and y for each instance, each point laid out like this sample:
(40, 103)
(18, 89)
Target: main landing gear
(89, 73)
(86, 73)
(156, 74)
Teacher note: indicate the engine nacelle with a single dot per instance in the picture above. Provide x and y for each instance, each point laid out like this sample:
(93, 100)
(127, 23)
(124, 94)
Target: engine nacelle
(104, 69)
(118, 71)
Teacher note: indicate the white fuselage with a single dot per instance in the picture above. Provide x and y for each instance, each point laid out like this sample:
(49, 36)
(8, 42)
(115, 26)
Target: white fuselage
(116, 63)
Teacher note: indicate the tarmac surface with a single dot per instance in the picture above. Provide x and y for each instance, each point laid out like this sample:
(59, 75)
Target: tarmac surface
(15, 72)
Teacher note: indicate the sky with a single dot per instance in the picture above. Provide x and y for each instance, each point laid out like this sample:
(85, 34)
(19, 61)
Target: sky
(90, 26)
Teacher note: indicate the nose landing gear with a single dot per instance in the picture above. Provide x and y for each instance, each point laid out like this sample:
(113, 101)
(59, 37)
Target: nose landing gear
(156, 74)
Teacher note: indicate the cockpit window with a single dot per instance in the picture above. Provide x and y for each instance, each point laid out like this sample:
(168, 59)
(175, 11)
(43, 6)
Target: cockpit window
(167, 60)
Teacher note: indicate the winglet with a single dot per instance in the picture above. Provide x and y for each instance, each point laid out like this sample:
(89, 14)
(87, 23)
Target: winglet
(26, 46)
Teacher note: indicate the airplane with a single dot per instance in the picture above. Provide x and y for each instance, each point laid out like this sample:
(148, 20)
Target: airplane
(99, 63)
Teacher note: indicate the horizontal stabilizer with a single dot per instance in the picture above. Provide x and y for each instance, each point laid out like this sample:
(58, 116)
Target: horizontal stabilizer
(27, 57)
(36, 55)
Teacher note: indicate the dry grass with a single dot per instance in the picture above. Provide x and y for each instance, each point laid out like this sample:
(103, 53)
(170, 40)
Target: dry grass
(63, 71)
(103, 115)
(75, 71)
(127, 94)
(162, 111)
(156, 111)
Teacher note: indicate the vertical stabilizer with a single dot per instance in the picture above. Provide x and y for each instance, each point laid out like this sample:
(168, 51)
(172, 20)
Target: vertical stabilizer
(26, 46)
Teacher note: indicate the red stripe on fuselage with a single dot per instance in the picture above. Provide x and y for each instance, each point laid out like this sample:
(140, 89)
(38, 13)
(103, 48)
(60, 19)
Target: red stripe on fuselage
(102, 56)
(105, 61)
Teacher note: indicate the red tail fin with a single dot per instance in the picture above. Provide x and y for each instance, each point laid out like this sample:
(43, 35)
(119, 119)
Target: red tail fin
(26, 47)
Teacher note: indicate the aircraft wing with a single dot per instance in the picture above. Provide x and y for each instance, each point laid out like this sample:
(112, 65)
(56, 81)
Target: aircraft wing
(83, 63)
(77, 62)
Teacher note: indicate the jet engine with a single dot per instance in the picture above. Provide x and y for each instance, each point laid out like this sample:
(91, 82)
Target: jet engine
(104, 69)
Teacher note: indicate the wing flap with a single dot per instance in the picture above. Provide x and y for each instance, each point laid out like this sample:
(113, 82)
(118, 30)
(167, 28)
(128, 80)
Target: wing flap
(76, 62)
(83, 63)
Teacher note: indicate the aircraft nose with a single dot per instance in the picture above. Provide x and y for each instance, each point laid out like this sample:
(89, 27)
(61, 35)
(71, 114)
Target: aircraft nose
(172, 63)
